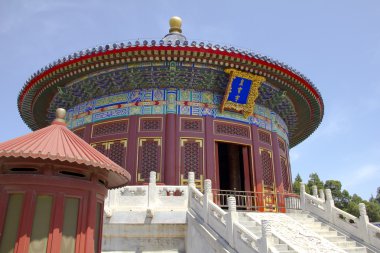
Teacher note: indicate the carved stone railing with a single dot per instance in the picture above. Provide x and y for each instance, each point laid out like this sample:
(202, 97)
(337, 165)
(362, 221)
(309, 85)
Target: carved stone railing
(246, 240)
(324, 207)
(225, 223)
(147, 197)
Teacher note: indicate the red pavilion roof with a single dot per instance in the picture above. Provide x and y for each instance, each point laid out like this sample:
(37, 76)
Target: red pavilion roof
(57, 142)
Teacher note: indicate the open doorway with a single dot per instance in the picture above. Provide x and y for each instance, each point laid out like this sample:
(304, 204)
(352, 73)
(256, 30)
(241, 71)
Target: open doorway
(234, 172)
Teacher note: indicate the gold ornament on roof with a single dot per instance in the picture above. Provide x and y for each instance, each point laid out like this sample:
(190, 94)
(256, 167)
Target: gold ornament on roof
(175, 24)
(60, 115)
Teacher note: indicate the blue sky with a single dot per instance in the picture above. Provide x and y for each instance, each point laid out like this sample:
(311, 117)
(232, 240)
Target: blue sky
(334, 43)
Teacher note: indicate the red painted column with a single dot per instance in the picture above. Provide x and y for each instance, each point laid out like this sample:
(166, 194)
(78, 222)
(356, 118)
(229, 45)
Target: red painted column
(90, 215)
(247, 177)
(277, 173)
(101, 224)
(88, 133)
(54, 245)
(132, 147)
(170, 150)
(82, 223)
(257, 170)
(217, 176)
(3, 208)
(26, 222)
(289, 168)
(210, 151)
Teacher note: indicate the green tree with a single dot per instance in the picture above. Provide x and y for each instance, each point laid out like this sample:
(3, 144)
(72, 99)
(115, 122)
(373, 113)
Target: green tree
(297, 184)
(346, 198)
(373, 210)
(314, 180)
(352, 208)
(377, 199)
(356, 199)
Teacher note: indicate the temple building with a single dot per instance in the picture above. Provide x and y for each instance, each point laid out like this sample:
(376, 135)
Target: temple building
(52, 191)
(170, 106)
(198, 131)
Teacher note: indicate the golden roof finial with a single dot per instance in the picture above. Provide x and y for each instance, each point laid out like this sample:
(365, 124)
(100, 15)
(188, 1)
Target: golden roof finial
(175, 24)
(60, 115)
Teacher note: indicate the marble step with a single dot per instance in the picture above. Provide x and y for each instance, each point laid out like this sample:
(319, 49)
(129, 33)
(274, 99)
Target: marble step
(346, 244)
(335, 238)
(356, 249)
(327, 233)
(282, 247)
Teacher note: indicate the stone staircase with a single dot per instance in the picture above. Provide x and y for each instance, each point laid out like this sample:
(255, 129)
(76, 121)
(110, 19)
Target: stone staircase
(255, 228)
(301, 232)
(336, 237)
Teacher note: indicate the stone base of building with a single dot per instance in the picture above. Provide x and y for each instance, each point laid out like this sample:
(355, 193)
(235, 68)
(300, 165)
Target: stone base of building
(137, 231)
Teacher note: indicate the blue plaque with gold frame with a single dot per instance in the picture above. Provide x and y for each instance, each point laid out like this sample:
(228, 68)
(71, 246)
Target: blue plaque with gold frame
(241, 92)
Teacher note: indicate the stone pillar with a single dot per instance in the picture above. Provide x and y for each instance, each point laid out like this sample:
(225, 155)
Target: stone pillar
(152, 193)
(231, 219)
(267, 238)
(111, 201)
(191, 179)
(329, 197)
(329, 205)
(362, 210)
(152, 177)
(208, 189)
(363, 223)
(322, 194)
(190, 184)
(315, 191)
(207, 197)
(302, 196)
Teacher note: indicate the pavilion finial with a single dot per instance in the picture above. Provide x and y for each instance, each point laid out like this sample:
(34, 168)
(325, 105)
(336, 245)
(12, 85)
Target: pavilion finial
(60, 115)
(175, 24)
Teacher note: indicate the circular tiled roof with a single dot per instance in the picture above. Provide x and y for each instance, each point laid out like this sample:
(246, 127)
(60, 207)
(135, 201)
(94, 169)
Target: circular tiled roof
(57, 143)
(43, 86)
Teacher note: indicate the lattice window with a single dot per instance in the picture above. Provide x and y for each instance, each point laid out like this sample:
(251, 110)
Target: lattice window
(101, 148)
(285, 175)
(194, 125)
(150, 157)
(117, 152)
(264, 137)
(266, 163)
(152, 124)
(115, 127)
(281, 144)
(232, 130)
(79, 132)
(192, 158)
